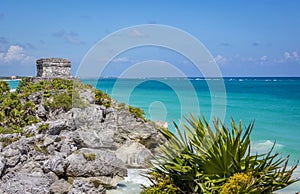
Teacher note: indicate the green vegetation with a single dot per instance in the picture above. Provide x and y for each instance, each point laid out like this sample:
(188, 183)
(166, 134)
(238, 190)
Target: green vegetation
(89, 156)
(39, 149)
(121, 106)
(7, 141)
(19, 109)
(137, 112)
(201, 159)
(102, 98)
(238, 183)
(4, 88)
(43, 127)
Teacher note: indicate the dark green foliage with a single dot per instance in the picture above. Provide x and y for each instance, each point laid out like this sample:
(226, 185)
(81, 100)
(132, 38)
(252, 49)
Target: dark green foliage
(4, 88)
(43, 127)
(137, 112)
(61, 100)
(7, 141)
(102, 98)
(200, 159)
(164, 184)
(18, 110)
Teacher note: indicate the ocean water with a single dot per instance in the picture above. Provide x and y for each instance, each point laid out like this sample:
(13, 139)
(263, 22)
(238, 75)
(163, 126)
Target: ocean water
(273, 103)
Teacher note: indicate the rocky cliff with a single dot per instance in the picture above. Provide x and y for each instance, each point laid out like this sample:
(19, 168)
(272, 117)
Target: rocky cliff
(71, 149)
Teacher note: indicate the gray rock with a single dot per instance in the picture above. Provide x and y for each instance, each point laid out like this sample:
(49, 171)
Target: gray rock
(56, 164)
(2, 165)
(106, 181)
(90, 116)
(60, 187)
(37, 183)
(91, 146)
(55, 127)
(81, 187)
(12, 156)
(47, 141)
(88, 96)
(103, 163)
(98, 138)
(133, 154)
(35, 97)
(30, 129)
(41, 111)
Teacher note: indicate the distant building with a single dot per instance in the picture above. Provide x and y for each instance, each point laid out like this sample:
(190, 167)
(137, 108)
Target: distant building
(13, 77)
(53, 68)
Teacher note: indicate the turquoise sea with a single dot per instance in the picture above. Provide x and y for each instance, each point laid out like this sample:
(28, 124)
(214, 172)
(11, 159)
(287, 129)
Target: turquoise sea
(274, 104)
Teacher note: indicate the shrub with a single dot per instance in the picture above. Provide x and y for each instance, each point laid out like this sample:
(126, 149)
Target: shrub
(238, 183)
(89, 156)
(4, 88)
(121, 106)
(163, 184)
(199, 159)
(137, 112)
(7, 141)
(102, 98)
(43, 127)
(62, 100)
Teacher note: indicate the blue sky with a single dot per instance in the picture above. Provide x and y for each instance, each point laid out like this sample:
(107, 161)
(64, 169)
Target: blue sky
(254, 38)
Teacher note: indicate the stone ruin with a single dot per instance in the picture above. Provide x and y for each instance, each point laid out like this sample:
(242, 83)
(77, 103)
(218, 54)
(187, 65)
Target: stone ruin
(53, 68)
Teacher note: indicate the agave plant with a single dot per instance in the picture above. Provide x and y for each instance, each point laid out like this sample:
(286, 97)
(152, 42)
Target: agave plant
(204, 159)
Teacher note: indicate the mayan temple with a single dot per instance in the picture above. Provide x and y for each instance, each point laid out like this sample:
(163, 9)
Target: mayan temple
(49, 68)
(53, 68)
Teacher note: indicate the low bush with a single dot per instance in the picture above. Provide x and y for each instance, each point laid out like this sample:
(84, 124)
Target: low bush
(137, 112)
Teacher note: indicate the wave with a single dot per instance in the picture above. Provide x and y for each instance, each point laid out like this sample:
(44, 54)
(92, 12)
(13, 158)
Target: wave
(264, 146)
(132, 183)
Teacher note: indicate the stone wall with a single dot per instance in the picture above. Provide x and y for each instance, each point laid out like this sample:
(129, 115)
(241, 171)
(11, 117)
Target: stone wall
(53, 67)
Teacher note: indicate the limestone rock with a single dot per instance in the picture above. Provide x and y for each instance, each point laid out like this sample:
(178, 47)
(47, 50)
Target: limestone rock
(92, 162)
(55, 127)
(60, 187)
(2, 165)
(37, 183)
(81, 187)
(56, 164)
(88, 96)
(133, 154)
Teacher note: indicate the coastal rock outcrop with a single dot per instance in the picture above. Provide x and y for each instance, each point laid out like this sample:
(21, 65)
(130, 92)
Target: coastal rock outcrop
(80, 150)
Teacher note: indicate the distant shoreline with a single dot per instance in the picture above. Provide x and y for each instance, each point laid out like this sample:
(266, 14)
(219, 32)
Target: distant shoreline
(18, 78)
(12, 78)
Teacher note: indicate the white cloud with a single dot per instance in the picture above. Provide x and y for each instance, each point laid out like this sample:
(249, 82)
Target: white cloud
(295, 55)
(289, 57)
(220, 59)
(15, 53)
(264, 58)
